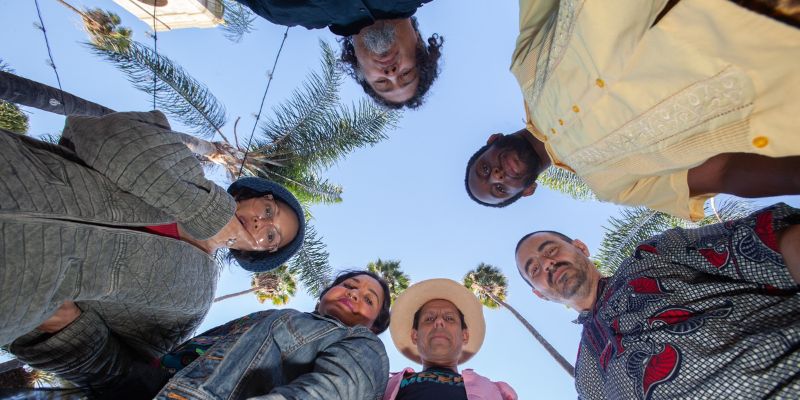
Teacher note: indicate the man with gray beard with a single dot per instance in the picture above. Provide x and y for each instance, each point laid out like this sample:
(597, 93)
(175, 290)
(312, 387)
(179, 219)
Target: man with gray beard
(382, 48)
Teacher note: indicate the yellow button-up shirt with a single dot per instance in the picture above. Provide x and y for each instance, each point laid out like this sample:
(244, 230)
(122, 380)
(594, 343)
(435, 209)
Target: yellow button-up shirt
(631, 106)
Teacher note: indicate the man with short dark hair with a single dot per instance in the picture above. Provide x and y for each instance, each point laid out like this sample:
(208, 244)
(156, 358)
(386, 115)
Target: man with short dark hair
(712, 312)
(382, 48)
(439, 323)
(656, 103)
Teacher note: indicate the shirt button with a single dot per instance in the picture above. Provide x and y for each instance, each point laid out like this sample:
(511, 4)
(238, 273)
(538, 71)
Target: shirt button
(600, 83)
(576, 108)
(760, 141)
(561, 122)
(362, 9)
(553, 131)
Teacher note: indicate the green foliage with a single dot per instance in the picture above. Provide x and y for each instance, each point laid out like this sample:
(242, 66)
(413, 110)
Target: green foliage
(566, 182)
(390, 271)
(488, 283)
(12, 118)
(307, 134)
(278, 285)
(312, 131)
(310, 264)
(238, 20)
(636, 225)
(177, 93)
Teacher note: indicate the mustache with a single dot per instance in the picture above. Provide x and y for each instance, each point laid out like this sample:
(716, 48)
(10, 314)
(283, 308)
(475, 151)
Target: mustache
(553, 270)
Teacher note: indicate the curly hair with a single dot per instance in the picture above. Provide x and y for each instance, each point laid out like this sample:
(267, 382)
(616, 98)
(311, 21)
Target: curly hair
(471, 161)
(427, 68)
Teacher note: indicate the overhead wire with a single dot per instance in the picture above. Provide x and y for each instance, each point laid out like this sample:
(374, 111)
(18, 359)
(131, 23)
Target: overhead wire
(261, 107)
(50, 55)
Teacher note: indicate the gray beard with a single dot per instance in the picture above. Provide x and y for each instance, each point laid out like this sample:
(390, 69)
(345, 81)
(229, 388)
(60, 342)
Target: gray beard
(378, 37)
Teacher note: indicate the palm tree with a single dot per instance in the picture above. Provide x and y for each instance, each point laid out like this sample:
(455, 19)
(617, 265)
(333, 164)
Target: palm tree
(14, 374)
(566, 182)
(238, 20)
(182, 97)
(11, 117)
(491, 286)
(278, 286)
(306, 135)
(390, 271)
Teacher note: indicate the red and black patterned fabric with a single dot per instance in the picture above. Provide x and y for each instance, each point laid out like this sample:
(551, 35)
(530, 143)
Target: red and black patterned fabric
(707, 313)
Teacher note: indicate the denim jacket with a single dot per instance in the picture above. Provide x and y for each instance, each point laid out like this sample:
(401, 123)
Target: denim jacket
(285, 354)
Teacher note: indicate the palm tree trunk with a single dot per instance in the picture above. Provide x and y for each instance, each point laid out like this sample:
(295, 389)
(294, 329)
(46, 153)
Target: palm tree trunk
(228, 296)
(547, 346)
(16, 89)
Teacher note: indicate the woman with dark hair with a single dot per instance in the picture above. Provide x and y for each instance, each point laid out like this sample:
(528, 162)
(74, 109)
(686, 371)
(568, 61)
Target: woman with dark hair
(330, 353)
(107, 242)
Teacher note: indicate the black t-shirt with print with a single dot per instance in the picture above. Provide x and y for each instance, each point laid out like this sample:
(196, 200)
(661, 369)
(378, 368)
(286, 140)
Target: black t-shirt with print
(434, 384)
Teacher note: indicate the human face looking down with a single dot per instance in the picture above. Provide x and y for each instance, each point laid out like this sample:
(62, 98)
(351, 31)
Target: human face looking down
(508, 168)
(557, 270)
(439, 337)
(354, 301)
(271, 222)
(386, 53)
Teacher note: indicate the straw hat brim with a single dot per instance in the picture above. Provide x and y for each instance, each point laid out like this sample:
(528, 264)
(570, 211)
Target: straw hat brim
(413, 298)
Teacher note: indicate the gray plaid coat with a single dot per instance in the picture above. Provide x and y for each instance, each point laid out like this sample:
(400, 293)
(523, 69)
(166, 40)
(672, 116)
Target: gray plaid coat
(68, 218)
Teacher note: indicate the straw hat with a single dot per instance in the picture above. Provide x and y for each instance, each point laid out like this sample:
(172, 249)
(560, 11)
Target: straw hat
(413, 298)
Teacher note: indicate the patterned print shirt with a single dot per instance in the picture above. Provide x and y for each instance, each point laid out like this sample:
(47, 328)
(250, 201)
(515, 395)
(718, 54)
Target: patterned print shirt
(702, 313)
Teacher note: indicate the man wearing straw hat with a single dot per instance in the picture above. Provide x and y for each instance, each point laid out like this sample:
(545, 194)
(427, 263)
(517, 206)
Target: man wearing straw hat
(439, 323)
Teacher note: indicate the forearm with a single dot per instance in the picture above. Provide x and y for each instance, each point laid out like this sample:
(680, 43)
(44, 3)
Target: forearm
(141, 156)
(355, 368)
(789, 244)
(196, 145)
(85, 352)
(746, 175)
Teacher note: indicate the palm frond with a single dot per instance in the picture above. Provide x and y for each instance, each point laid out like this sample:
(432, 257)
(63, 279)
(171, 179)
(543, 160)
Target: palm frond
(624, 232)
(278, 285)
(488, 283)
(12, 118)
(50, 138)
(636, 225)
(177, 93)
(311, 129)
(728, 209)
(305, 184)
(310, 264)
(566, 182)
(390, 271)
(319, 92)
(238, 20)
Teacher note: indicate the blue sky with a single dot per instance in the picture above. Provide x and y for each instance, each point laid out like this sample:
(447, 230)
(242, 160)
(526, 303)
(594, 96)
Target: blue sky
(404, 198)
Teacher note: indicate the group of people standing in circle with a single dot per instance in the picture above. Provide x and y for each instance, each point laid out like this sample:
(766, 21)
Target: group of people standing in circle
(107, 238)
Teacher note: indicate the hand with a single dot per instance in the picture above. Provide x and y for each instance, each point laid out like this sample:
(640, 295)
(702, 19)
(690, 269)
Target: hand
(64, 316)
(243, 240)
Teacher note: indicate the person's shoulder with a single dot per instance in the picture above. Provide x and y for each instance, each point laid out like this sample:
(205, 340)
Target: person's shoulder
(403, 372)
(506, 391)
